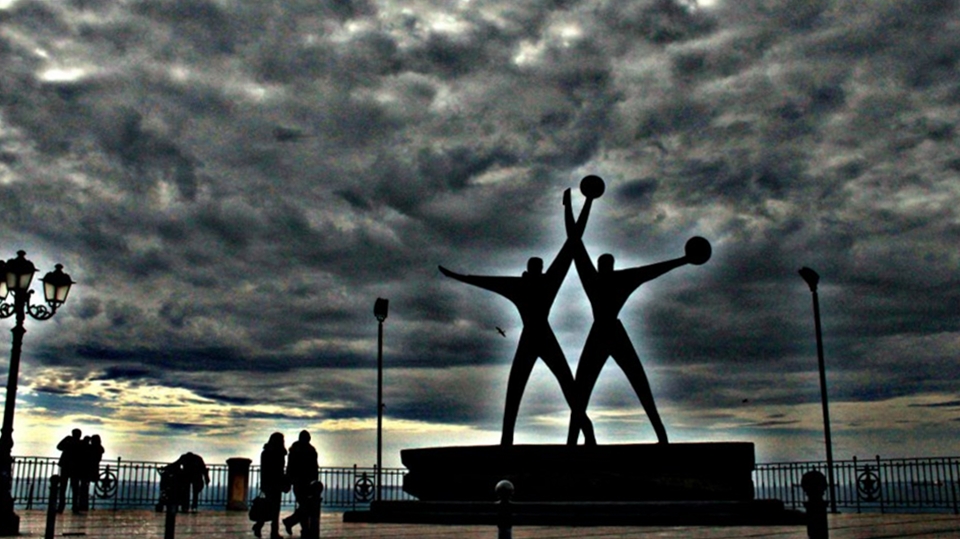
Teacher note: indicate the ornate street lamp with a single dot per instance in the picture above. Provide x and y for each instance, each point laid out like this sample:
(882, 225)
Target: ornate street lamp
(380, 311)
(812, 278)
(15, 277)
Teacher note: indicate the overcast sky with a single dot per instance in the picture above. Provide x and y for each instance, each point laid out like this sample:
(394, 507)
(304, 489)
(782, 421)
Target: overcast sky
(232, 183)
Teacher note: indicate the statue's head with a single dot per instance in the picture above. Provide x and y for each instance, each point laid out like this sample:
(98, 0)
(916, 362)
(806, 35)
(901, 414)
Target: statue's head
(534, 266)
(605, 263)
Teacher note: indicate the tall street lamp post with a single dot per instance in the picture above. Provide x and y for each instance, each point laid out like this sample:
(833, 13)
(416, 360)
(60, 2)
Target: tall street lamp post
(812, 278)
(380, 311)
(15, 277)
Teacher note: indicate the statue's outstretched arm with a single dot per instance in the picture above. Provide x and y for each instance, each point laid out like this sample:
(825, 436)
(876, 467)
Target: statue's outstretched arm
(639, 275)
(500, 285)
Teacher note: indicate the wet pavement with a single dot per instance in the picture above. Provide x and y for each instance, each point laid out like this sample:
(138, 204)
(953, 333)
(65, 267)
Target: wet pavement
(217, 524)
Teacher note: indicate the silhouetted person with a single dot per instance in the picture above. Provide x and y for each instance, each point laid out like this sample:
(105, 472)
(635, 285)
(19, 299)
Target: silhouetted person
(302, 469)
(533, 293)
(272, 481)
(71, 470)
(88, 457)
(608, 290)
(193, 475)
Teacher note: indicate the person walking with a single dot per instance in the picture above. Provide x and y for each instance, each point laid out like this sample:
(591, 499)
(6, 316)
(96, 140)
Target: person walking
(272, 482)
(302, 470)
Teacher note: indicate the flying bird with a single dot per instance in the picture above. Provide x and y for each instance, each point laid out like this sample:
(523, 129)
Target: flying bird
(289, 134)
(501, 331)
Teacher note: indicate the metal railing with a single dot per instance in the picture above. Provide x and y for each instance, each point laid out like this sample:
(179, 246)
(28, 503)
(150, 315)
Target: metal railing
(884, 485)
(136, 484)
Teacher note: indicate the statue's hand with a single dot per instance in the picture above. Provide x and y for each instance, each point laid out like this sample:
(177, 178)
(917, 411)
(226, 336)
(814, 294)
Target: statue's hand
(566, 197)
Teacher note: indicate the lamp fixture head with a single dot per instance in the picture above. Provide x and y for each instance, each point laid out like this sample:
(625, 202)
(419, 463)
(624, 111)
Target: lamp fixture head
(19, 272)
(811, 277)
(380, 309)
(56, 286)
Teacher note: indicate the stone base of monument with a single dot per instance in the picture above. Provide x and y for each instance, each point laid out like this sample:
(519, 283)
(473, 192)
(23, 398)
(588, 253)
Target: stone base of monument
(635, 472)
(708, 483)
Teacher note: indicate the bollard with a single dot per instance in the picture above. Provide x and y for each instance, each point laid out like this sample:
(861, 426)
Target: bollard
(311, 524)
(169, 489)
(504, 490)
(814, 485)
(238, 482)
(170, 523)
(52, 507)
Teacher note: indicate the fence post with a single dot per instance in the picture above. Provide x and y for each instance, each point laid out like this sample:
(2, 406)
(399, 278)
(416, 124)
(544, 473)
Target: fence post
(814, 485)
(52, 507)
(504, 490)
(953, 484)
(116, 497)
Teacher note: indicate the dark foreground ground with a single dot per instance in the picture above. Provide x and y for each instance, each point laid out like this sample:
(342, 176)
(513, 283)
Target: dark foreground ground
(221, 524)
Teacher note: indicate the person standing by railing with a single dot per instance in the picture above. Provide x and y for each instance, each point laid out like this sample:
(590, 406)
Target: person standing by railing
(273, 482)
(71, 469)
(90, 453)
(194, 476)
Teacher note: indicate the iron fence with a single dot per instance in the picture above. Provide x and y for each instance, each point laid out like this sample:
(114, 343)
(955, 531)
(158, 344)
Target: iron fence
(136, 484)
(884, 485)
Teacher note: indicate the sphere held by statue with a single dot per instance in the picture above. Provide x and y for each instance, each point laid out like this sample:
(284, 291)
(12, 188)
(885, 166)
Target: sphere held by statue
(697, 250)
(592, 186)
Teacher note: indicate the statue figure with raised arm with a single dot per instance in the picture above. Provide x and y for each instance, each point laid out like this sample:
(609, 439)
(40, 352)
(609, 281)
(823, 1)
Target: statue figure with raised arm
(608, 290)
(533, 293)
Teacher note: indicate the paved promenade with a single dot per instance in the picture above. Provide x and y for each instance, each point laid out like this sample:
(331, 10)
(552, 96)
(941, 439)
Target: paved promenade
(213, 524)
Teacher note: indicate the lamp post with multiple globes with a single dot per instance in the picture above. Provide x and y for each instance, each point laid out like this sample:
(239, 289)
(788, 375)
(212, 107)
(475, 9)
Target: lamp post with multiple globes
(15, 277)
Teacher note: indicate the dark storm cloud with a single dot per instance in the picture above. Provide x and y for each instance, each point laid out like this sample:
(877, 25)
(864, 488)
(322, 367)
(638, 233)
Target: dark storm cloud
(232, 189)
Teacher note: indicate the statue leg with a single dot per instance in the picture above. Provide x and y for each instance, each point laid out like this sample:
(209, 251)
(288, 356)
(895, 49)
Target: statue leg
(588, 370)
(523, 362)
(553, 356)
(628, 360)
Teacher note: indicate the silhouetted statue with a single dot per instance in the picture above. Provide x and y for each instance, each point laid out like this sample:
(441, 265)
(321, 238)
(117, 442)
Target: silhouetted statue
(608, 290)
(533, 293)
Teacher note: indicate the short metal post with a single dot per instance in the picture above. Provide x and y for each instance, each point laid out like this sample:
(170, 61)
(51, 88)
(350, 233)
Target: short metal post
(311, 524)
(814, 484)
(170, 523)
(172, 490)
(52, 507)
(504, 490)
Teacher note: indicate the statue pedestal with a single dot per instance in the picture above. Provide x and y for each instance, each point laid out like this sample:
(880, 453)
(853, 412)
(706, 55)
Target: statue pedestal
(549, 473)
(637, 484)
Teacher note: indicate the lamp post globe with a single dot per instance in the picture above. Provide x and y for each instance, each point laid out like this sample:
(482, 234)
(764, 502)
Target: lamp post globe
(16, 275)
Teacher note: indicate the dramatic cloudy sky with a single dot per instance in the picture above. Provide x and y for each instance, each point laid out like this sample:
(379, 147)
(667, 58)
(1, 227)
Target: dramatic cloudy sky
(232, 183)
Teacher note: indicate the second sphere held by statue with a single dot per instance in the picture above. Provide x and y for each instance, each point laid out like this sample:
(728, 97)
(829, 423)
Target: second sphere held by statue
(592, 186)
